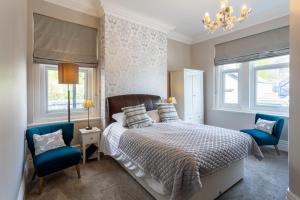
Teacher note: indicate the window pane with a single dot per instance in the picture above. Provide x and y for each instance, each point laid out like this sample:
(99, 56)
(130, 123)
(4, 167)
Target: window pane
(57, 94)
(231, 88)
(274, 60)
(272, 87)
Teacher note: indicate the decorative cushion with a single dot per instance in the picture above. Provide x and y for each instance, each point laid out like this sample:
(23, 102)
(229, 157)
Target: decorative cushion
(136, 116)
(265, 125)
(43, 143)
(56, 159)
(153, 114)
(167, 112)
(120, 118)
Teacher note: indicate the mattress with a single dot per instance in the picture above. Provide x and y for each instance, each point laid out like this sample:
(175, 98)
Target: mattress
(109, 146)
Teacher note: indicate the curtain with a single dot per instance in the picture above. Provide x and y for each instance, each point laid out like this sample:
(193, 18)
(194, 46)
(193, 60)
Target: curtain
(263, 45)
(57, 41)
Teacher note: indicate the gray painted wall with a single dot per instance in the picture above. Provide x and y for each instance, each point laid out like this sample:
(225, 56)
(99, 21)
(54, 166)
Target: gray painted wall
(294, 133)
(179, 55)
(13, 95)
(203, 58)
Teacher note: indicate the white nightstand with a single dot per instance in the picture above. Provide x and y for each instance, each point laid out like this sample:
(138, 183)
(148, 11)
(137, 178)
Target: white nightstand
(90, 137)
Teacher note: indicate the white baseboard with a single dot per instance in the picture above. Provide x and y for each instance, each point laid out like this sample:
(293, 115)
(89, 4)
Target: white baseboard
(291, 196)
(283, 145)
(21, 194)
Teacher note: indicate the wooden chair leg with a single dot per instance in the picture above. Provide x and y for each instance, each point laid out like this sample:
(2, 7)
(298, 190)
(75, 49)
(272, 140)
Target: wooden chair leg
(277, 150)
(41, 185)
(78, 170)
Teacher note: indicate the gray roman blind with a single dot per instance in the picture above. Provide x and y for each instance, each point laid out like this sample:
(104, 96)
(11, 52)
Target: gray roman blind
(263, 45)
(57, 41)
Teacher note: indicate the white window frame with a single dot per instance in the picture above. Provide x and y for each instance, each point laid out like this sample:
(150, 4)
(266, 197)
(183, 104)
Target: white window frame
(221, 88)
(40, 113)
(246, 90)
(253, 88)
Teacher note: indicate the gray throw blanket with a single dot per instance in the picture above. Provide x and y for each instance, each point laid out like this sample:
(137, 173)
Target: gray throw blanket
(178, 153)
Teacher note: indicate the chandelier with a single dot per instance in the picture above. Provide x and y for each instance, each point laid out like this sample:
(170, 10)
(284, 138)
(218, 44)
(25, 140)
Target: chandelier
(225, 17)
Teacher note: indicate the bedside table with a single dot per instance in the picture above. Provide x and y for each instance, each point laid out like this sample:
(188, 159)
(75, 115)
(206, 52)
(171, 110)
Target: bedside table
(90, 137)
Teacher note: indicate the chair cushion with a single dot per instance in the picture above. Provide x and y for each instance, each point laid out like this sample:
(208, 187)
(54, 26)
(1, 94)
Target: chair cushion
(265, 125)
(277, 129)
(261, 138)
(56, 159)
(43, 143)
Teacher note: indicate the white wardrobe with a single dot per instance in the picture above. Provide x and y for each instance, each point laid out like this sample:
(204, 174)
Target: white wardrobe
(187, 87)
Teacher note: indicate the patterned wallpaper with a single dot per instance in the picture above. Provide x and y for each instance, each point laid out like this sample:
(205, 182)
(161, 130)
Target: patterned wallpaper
(134, 58)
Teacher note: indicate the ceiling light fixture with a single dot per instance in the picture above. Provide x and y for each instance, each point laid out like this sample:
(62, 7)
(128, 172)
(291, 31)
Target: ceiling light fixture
(225, 17)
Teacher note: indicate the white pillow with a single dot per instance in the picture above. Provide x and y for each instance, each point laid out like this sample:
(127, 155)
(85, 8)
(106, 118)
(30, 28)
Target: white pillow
(120, 117)
(265, 125)
(43, 143)
(153, 114)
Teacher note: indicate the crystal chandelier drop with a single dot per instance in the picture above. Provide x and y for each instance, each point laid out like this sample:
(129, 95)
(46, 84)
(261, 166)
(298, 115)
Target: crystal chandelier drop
(225, 17)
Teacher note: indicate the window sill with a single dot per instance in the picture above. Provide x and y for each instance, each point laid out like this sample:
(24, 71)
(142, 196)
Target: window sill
(62, 121)
(280, 114)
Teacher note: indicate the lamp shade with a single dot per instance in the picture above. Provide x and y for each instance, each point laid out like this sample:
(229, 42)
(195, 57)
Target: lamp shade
(68, 73)
(88, 103)
(172, 100)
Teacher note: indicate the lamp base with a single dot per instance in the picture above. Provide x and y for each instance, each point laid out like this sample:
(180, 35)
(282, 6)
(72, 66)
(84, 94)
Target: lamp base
(88, 128)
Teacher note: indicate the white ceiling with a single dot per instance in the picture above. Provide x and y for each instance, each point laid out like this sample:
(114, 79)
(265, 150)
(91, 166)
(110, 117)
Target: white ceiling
(182, 18)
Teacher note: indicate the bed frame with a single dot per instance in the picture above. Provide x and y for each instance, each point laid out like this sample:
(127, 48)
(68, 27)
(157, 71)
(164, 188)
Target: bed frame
(212, 186)
(116, 103)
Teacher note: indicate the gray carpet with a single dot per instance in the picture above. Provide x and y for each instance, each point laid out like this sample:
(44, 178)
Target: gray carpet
(105, 179)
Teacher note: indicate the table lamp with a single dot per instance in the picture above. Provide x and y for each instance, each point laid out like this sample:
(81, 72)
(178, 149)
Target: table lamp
(68, 74)
(172, 100)
(88, 103)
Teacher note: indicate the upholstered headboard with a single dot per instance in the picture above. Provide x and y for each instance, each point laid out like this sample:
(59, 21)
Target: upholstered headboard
(116, 103)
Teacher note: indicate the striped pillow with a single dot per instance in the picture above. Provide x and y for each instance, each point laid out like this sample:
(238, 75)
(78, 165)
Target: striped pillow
(167, 112)
(136, 116)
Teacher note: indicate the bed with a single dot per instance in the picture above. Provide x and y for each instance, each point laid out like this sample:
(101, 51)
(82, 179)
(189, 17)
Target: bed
(113, 138)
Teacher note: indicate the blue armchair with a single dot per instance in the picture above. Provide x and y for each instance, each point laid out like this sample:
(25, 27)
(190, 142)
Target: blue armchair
(55, 159)
(263, 138)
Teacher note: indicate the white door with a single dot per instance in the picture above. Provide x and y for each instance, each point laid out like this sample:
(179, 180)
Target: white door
(197, 97)
(197, 94)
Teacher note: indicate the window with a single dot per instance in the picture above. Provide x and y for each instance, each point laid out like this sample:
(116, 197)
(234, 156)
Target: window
(231, 87)
(51, 98)
(57, 98)
(229, 78)
(260, 85)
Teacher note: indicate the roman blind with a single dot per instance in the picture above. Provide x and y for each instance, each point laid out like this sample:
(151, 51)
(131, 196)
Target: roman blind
(263, 45)
(57, 41)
